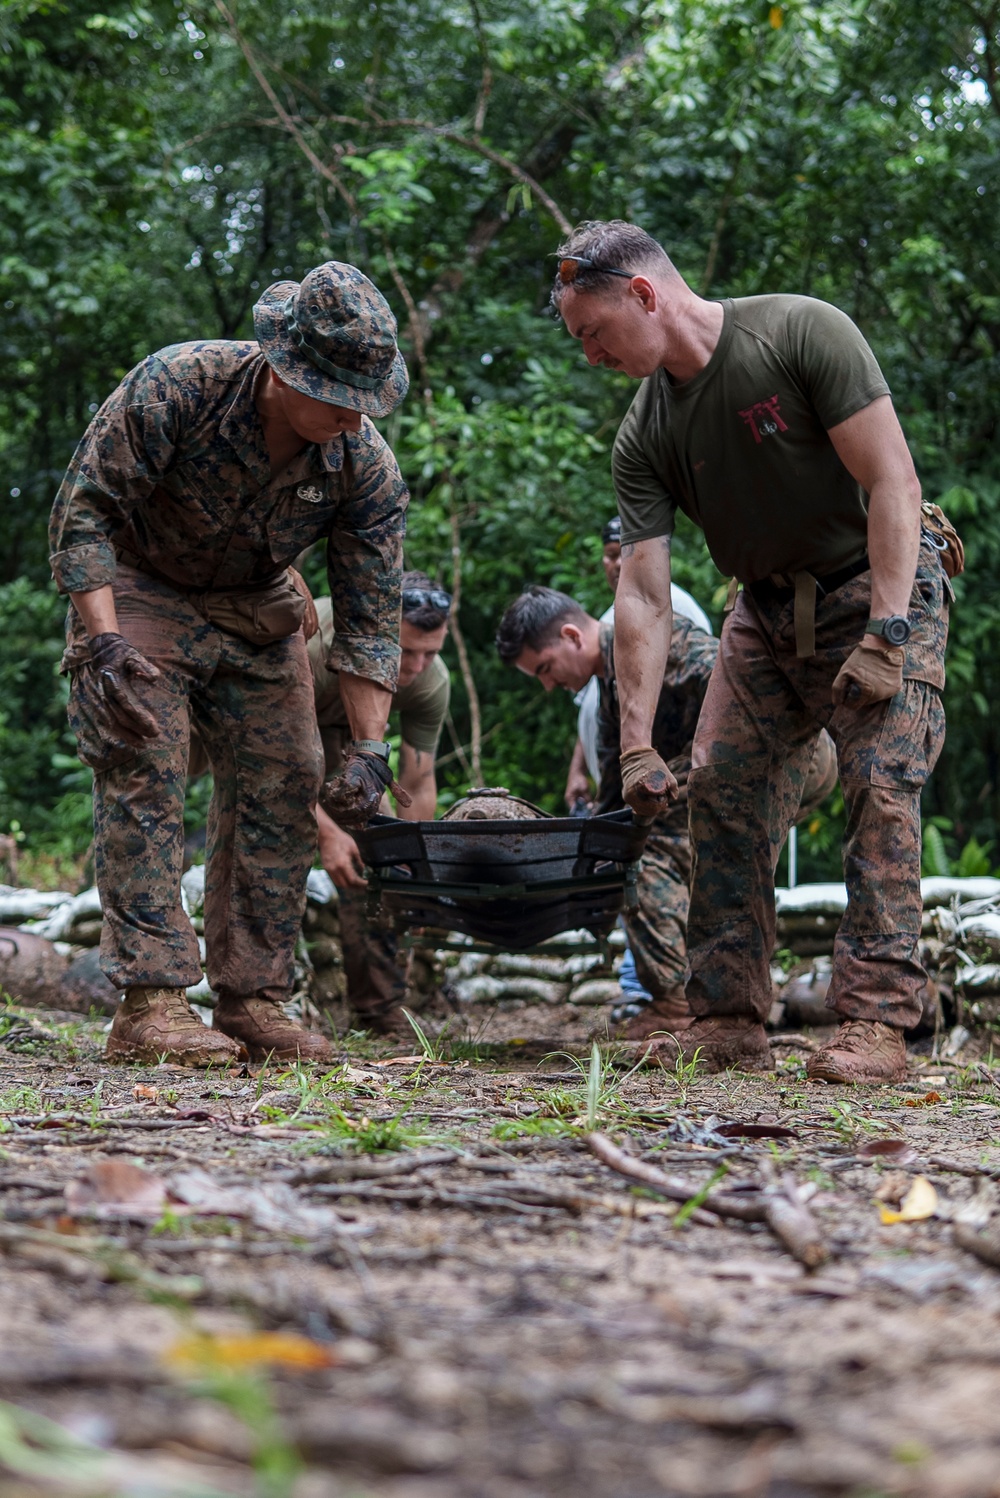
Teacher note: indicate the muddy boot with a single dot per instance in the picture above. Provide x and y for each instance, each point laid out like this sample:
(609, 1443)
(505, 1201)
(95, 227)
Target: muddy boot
(661, 1017)
(390, 1023)
(720, 1041)
(154, 1024)
(265, 1029)
(861, 1051)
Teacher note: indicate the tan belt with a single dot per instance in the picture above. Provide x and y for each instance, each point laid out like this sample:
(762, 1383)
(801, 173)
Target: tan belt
(804, 612)
(805, 606)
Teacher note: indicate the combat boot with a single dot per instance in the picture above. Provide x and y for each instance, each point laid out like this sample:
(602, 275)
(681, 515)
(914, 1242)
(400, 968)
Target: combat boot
(861, 1051)
(390, 1023)
(265, 1029)
(668, 1016)
(718, 1041)
(157, 1024)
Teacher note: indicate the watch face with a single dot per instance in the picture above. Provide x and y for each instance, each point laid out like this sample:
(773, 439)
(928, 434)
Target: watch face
(896, 630)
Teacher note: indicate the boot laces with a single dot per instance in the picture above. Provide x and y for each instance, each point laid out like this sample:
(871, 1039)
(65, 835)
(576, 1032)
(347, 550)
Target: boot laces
(859, 1035)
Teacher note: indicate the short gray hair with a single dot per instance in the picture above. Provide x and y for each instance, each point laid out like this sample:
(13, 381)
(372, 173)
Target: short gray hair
(610, 242)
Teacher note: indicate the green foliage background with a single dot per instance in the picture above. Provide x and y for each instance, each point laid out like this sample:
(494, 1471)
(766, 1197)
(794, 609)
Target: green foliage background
(161, 163)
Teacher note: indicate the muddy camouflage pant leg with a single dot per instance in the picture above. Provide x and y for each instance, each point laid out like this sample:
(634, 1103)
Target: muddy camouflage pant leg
(877, 973)
(257, 723)
(376, 980)
(376, 977)
(250, 704)
(752, 752)
(657, 930)
(762, 704)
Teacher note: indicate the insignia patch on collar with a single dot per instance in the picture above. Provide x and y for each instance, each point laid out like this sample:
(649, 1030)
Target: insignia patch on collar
(309, 493)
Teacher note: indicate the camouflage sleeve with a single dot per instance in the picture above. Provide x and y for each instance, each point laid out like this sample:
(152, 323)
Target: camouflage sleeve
(609, 791)
(692, 656)
(364, 562)
(119, 460)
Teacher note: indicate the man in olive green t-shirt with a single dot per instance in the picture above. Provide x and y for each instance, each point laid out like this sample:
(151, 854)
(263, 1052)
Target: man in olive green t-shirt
(767, 421)
(376, 983)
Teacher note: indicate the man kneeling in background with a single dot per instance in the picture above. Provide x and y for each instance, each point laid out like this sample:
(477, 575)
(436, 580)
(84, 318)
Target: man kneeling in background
(376, 979)
(547, 635)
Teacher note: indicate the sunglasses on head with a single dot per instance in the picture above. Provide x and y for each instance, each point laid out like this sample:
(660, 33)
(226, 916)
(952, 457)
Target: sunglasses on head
(570, 266)
(418, 598)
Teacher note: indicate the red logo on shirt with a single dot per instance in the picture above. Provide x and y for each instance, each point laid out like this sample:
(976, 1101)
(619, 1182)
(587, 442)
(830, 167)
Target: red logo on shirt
(764, 419)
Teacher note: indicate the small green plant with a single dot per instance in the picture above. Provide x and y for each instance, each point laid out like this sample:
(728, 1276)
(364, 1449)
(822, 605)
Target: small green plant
(95, 1105)
(687, 1208)
(526, 1128)
(21, 1100)
(371, 1136)
(685, 1072)
(434, 1050)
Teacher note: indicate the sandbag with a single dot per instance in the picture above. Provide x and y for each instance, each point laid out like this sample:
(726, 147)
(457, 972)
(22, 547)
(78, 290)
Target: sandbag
(31, 968)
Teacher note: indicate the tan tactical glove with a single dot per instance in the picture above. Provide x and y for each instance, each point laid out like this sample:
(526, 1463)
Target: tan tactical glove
(871, 673)
(647, 785)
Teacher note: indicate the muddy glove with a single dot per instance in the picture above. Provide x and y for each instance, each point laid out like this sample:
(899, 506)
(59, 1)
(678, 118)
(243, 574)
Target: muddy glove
(353, 795)
(116, 669)
(647, 785)
(871, 673)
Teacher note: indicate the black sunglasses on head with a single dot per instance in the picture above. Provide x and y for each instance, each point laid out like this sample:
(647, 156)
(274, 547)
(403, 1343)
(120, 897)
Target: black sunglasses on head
(570, 267)
(418, 598)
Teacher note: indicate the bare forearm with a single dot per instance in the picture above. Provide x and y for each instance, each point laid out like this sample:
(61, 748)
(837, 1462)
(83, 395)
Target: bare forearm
(893, 543)
(643, 627)
(97, 610)
(367, 704)
(416, 775)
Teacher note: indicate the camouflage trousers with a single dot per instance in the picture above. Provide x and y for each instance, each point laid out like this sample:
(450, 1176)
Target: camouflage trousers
(252, 706)
(376, 977)
(657, 929)
(750, 758)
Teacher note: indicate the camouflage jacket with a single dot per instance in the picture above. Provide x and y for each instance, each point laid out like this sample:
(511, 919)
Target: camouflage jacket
(174, 468)
(685, 681)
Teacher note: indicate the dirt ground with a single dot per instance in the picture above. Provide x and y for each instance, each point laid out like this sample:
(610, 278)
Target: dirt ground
(412, 1278)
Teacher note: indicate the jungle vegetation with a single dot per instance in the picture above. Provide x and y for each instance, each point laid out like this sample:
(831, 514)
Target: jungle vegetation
(161, 162)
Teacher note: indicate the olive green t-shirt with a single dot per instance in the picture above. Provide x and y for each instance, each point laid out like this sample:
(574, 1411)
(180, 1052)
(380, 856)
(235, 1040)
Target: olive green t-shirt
(422, 706)
(742, 448)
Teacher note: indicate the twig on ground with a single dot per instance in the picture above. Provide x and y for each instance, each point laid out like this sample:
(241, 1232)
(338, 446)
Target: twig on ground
(792, 1223)
(674, 1188)
(366, 1169)
(986, 1249)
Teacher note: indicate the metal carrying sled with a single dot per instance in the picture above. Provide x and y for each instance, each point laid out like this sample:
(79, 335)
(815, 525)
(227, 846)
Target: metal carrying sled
(512, 883)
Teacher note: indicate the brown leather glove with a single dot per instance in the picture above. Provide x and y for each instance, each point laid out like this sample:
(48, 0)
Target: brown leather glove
(647, 785)
(871, 673)
(352, 797)
(115, 671)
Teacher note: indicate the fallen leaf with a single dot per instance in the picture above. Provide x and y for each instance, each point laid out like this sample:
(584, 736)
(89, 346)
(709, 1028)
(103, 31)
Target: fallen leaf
(275, 1349)
(920, 1202)
(274, 1207)
(923, 1102)
(144, 1094)
(114, 1188)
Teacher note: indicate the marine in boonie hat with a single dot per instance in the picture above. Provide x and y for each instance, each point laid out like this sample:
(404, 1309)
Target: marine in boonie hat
(333, 336)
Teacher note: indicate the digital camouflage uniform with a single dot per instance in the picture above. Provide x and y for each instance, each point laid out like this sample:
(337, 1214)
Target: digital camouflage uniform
(169, 499)
(657, 930)
(751, 753)
(376, 977)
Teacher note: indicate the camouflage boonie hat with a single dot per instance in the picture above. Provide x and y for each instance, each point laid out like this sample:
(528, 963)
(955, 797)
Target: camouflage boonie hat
(333, 336)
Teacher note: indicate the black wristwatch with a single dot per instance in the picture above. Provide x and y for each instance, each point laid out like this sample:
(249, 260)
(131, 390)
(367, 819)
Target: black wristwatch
(373, 746)
(895, 630)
